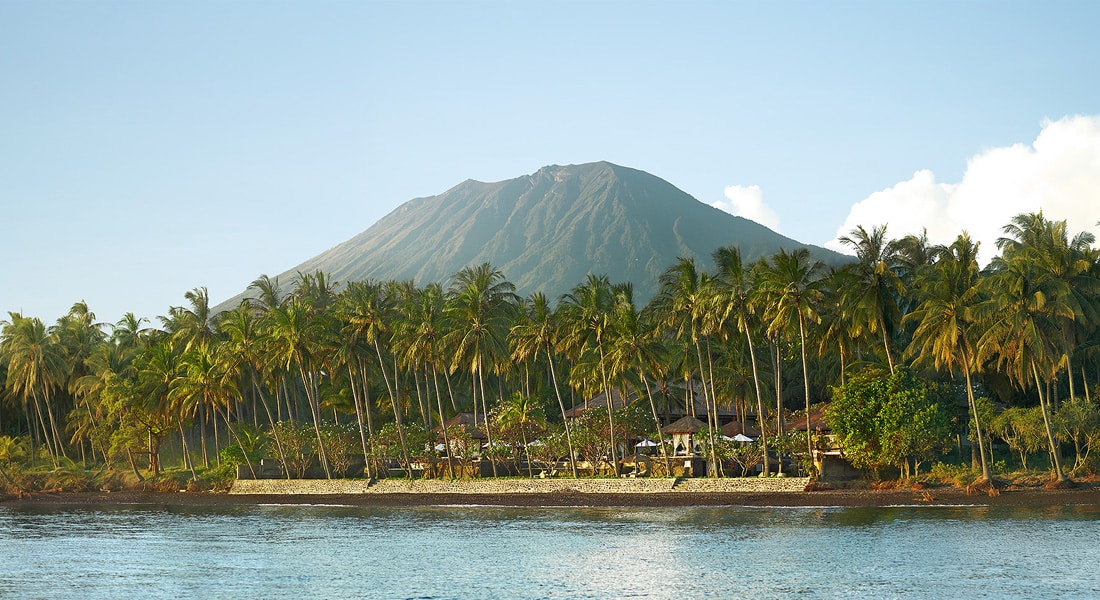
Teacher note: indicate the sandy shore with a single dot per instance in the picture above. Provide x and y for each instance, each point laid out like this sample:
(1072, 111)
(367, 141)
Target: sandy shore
(575, 493)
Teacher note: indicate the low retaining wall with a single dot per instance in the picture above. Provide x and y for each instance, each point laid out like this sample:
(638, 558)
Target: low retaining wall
(519, 486)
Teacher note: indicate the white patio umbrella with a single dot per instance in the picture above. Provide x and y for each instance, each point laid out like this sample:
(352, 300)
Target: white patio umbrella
(645, 444)
(742, 438)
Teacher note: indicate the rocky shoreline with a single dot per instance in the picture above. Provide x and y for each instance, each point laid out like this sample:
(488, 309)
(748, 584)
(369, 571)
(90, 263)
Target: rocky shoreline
(655, 492)
(506, 487)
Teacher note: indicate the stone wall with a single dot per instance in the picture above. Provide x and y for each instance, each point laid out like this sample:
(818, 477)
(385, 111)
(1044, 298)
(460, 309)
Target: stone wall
(519, 486)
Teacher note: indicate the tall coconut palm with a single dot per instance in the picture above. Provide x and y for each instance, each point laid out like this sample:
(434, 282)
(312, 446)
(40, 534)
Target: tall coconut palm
(685, 305)
(638, 348)
(296, 338)
(737, 303)
(944, 317)
(36, 367)
(204, 381)
(369, 314)
(419, 342)
(481, 309)
(793, 285)
(878, 287)
(536, 330)
(586, 327)
(243, 345)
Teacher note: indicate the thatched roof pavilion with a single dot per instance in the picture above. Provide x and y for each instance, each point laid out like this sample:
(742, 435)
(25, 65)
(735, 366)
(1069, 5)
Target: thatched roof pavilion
(682, 433)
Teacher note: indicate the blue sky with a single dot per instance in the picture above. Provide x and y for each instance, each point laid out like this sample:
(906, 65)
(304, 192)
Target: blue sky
(148, 148)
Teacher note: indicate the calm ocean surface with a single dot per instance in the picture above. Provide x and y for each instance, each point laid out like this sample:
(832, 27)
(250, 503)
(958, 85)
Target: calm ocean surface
(487, 552)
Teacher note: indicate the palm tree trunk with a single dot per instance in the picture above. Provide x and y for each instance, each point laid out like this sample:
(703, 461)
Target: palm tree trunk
(806, 385)
(442, 421)
(355, 399)
(706, 401)
(53, 426)
(657, 422)
(1055, 454)
(759, 402)
(485, 411)
(274, 429)
(885, 342)
(986, 475)
(187, 462)
(610, 411)
(396, 410)
(46, 439)
(564, 419)
(314, 409)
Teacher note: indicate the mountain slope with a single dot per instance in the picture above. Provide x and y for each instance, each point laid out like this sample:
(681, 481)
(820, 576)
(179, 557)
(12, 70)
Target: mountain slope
(547, 231)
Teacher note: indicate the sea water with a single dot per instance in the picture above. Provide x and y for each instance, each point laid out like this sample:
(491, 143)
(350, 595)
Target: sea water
(298, 552)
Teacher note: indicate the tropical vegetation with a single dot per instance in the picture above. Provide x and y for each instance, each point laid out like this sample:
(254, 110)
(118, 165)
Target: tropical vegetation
(915, 345)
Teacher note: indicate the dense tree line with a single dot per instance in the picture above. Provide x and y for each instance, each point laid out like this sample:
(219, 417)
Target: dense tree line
(375, 366)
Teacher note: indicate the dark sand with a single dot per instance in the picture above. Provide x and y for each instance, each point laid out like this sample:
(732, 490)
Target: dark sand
(1035, 497)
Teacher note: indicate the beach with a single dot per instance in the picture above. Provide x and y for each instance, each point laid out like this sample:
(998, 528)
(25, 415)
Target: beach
(567, 492)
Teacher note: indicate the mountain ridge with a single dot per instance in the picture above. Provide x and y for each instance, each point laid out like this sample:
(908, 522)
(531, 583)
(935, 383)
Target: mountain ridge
(546, 231)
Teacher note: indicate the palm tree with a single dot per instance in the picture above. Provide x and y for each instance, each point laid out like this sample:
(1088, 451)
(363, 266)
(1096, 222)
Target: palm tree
(1033, 304)
(481, 308)
(418, 338)
(794, 288)
(536, 330)
(684, 303)
(944, 334)
(877, 288)
(637, 347)
(36, 366)
(520, 414)
(296, 338)
(369, 314)
(586, 322)
(204, 381)
(241, 328)
(737, 305)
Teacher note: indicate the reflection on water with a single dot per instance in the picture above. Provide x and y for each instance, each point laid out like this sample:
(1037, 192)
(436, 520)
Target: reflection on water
(493, 552)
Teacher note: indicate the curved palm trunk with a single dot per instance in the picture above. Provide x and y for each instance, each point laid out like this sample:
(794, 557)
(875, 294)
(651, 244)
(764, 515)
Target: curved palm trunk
(707, 401)
(187, 462)
(314, 409)
(759, 403)
(1056, 455)
(46, 439)
(442, 421)
(485, 411)
(53, 426)
(396, 410)
(610, 411)
(806, 384)
(356, 399)
(271, 422)
(233, 434)
(719, 469)
(986, 476)
(564, 419)
(885, 343)
(657, 422)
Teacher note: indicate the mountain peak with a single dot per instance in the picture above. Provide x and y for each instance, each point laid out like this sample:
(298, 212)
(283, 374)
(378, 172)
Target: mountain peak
(547, 231)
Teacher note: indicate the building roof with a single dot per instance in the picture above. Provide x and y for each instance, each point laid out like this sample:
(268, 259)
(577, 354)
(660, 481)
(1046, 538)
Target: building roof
(735, 427)
(817, 421)
(465, 422)
(600, 401)
(684, 425)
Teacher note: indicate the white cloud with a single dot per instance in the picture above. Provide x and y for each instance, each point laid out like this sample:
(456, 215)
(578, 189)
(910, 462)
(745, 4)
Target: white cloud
(1059, 173)
(748, 202)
